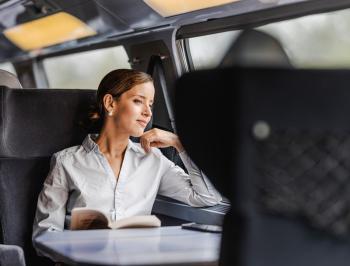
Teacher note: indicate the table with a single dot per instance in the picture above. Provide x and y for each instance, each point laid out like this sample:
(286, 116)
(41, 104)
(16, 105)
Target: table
(169, 245)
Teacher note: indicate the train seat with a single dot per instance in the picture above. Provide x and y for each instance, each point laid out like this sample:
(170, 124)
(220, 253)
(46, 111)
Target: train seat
(10, 254)
(9, 80)
(34, 124)
(278, 147)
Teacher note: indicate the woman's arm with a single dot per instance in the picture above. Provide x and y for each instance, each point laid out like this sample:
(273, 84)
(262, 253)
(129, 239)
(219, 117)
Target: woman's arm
(193, 188)
(51, 207)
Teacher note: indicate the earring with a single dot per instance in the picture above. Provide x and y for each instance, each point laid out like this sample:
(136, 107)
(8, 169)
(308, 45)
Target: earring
(110, 113)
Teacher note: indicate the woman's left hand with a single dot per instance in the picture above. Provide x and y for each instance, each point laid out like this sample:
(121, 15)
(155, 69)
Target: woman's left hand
(160, 139)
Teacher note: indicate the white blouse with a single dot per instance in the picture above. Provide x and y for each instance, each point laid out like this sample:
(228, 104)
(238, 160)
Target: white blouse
(81, 176)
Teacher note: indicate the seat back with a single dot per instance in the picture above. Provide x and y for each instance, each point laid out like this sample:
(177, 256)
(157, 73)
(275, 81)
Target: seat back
(33, 125)
(254, 48)
(278, 146)
(9, 80)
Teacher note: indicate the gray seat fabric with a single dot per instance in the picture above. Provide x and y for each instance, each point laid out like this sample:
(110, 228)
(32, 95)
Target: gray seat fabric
(11, 255)
(33, 125)
(9, 80)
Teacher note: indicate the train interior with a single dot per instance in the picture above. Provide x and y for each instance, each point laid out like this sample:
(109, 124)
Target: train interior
(263, 83)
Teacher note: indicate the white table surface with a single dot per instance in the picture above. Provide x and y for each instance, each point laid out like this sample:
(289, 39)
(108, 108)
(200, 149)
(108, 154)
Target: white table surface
(152, 246)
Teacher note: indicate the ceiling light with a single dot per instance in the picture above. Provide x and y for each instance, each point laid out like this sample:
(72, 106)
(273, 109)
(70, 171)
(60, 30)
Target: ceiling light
(49, 30)
(175, 7)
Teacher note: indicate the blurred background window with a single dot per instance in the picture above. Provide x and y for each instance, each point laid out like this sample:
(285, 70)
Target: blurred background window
(208, 51)
(314, 41)
(84, 70)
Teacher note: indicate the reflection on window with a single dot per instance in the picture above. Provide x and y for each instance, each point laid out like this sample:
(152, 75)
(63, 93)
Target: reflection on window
(314, 41)
(8, 67)
(208, 51)
(84, 70)
(320, 41)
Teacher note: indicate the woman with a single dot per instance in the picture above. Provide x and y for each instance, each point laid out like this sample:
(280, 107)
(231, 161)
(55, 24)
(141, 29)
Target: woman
(111, 173)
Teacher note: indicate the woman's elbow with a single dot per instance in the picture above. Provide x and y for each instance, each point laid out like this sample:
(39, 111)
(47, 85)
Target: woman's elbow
(205, 201)
(214, 200)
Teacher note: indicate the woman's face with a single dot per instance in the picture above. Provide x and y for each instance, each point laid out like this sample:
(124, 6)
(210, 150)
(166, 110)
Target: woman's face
(132, 111)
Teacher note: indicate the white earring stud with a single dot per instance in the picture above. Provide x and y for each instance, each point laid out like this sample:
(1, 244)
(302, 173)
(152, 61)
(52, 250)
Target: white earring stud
(110, 113)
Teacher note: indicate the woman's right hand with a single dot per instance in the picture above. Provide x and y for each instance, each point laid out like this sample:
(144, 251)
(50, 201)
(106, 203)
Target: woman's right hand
(160, 139)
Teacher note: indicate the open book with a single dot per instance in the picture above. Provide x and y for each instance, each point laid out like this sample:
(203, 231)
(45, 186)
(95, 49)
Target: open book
(84, 218)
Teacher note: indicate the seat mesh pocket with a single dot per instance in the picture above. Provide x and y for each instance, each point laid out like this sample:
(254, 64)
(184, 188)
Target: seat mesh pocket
(306, 174)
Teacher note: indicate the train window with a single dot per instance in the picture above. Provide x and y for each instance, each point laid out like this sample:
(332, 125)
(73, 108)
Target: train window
(313, 41)
(208, 51)
(8, 67)
(84, 70)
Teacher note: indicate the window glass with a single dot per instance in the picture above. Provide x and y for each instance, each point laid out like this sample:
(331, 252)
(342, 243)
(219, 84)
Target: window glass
(84, 70)
(208, 51)
(8, 67)
(314, 41)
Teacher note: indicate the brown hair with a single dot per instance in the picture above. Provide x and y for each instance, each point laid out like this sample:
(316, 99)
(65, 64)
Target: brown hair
(116, 83)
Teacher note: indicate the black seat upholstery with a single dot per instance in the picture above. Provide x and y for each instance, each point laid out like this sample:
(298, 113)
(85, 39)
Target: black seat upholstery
(278, 146)
(33, 125)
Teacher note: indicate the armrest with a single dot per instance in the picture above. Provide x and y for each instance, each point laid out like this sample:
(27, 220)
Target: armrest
(11, 255)
(205, 215)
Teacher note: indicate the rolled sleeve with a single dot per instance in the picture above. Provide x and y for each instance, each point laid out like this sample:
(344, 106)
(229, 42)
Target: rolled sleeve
(51, 207)
(193, 188)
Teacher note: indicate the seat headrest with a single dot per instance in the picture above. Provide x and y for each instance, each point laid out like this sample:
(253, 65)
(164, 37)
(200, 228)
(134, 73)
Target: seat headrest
(39, 122)
(256, 49)
(9, 80)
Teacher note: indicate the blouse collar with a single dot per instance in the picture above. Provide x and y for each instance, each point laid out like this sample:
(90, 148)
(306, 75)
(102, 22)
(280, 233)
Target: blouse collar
(89, 144)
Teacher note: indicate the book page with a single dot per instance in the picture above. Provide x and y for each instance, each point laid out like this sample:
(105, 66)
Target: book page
(83, 219)
(136, 221)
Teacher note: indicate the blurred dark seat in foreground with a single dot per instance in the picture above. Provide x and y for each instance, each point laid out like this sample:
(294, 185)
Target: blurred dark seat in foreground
(276, 143)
